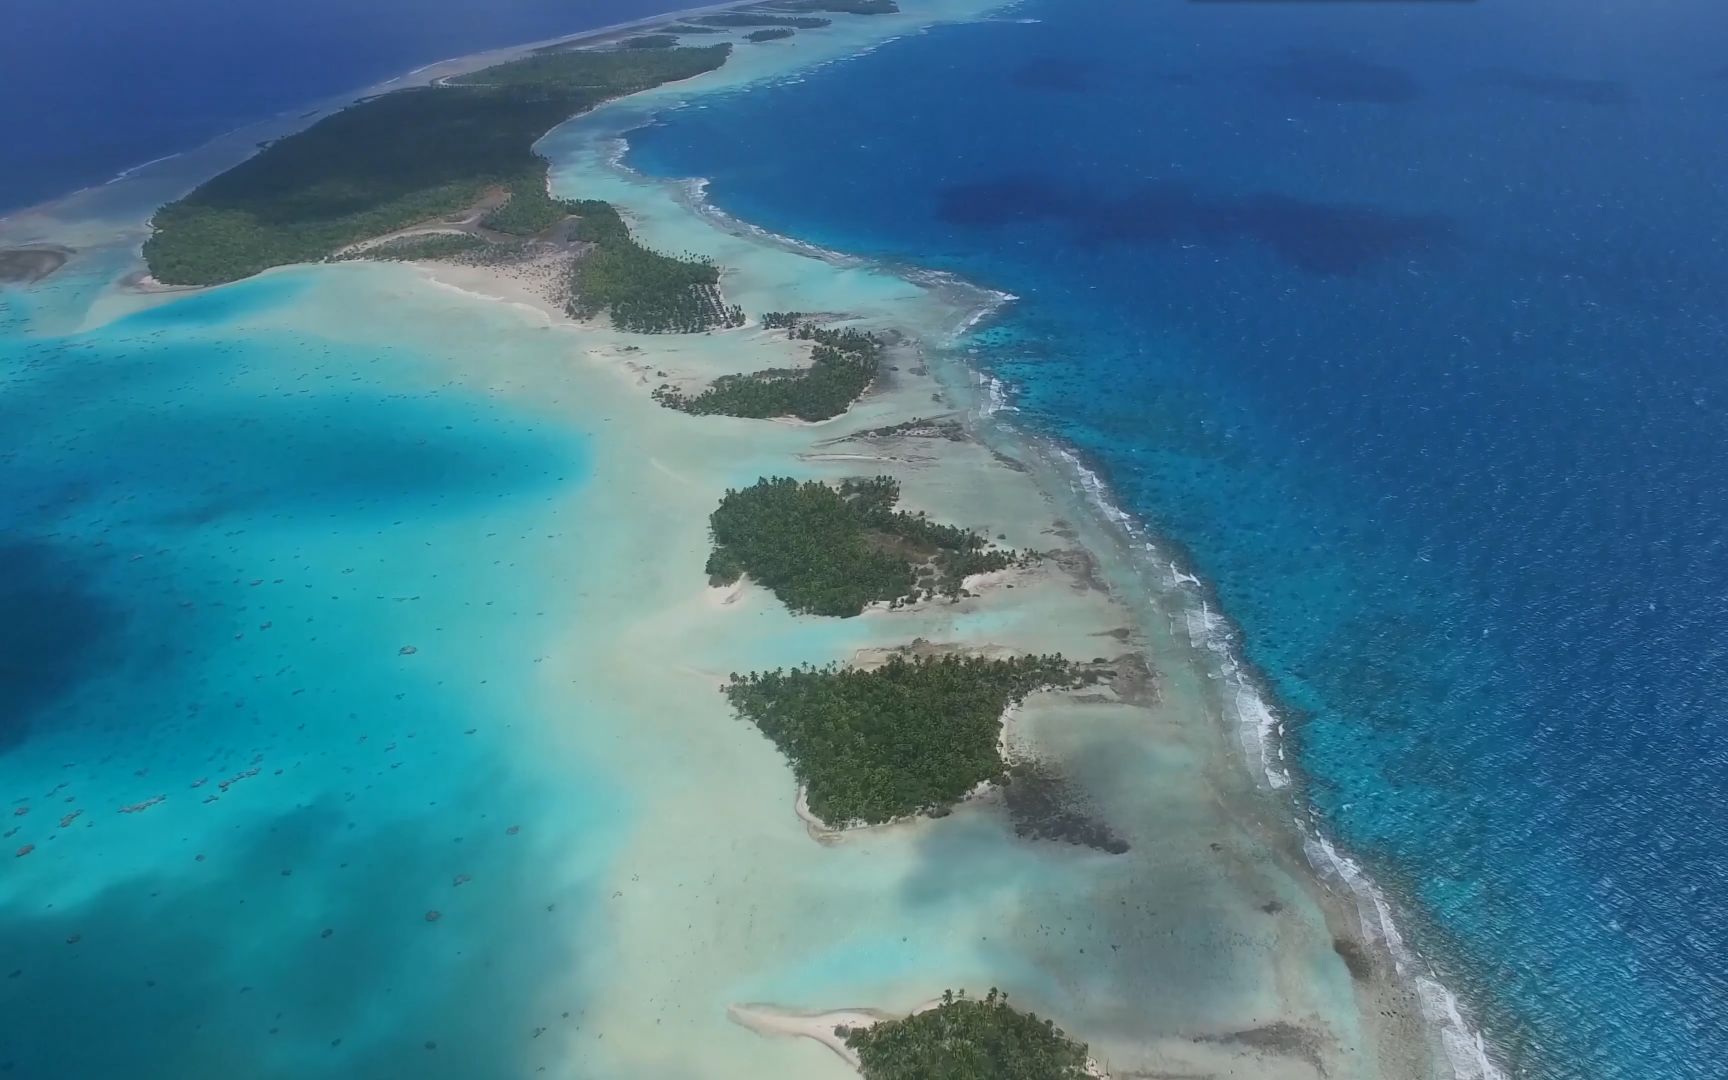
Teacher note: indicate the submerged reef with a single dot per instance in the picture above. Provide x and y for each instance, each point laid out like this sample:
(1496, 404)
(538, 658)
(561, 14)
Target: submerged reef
(23, 265)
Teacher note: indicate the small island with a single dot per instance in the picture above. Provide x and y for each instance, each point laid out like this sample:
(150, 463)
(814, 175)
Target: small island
(759, 36)
(830, 550)
(913, 736)
(649, 41)
(967, 1039)
(843, 364)
(452, 165)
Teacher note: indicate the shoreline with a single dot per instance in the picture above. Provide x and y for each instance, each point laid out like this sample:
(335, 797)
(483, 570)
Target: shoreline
(774, 1022)
(36, 223)
(1257, 725)
(976, 402)
(334, 102)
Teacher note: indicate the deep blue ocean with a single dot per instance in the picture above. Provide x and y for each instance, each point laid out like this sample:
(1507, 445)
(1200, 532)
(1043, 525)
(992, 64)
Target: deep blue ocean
(1405, 323)
(91, 87)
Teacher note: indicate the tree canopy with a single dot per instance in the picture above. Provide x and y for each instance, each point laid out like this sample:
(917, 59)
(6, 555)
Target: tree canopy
(968, 1039)
(843, 364)
(399, 159)
(832, 550)
(913, 736)
(644, 290)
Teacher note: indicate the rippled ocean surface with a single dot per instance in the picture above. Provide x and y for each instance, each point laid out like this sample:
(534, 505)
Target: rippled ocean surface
(1404, 323)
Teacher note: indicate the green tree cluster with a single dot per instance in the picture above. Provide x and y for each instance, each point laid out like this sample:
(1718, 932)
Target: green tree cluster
(913, 736)
(843, 364)
(644, 290)
(968, 1039)
(398, 159)
(530, 208)
(832, 550)
(650, 41)
(775, 34)
(781, 320)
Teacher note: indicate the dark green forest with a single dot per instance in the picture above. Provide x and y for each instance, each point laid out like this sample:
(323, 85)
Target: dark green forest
(968, 1039)
(910, 737)
(398, 159)
(832, 550)
(759, 36)
(644, 290)
(843, 364)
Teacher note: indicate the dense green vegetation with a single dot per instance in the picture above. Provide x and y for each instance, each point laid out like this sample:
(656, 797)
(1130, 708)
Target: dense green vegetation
(448, 246)
(739, 20)
(686, 28)
(964, 1039)
(775, 34)
(913, 736)
(781, 320)
(650, 41)
(397, 160)
(645, 291)
(842, 366)
(831, 551)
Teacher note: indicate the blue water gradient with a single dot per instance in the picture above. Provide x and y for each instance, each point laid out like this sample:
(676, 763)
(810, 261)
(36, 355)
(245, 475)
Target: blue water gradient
(1404, 321)
(274, 580)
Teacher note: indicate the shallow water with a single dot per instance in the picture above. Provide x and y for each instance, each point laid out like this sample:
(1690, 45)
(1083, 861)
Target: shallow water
(267, 576)
(1409, 344)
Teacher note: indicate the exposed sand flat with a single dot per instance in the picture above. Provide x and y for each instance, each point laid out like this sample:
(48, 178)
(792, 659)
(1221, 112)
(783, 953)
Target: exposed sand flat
(772, 1022)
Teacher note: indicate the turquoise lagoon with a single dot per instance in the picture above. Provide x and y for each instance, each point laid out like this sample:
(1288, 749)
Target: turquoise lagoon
(273, 579)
